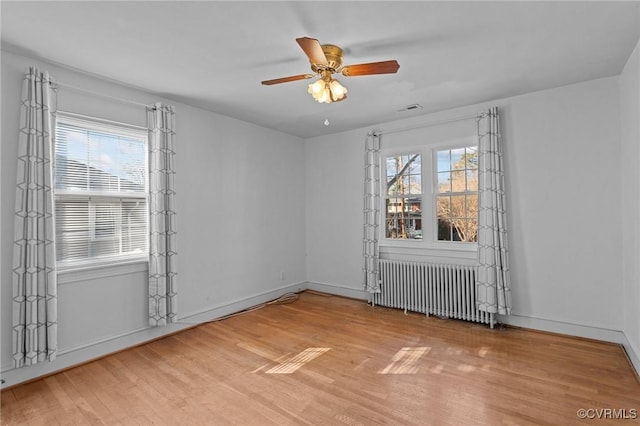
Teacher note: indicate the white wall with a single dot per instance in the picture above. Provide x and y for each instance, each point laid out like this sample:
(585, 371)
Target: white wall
(562, 149)
(630, 114)
(241, 221)
(335, 179)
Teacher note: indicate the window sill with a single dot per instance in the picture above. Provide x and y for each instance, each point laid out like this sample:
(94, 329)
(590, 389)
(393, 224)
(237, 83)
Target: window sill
(84, 272)
(444, 253)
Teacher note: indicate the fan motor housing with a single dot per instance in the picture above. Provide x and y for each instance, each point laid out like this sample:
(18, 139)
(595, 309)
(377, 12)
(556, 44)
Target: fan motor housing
(334, 58)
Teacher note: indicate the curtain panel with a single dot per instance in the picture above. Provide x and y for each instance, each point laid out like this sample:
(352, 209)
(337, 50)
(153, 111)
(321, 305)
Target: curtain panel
(492, 284)
(371, 213)
(34, 325)
(162, 216)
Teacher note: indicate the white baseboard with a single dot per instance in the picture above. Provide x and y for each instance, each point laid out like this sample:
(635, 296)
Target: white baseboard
(632, 353)
(338, 290)
(239, 304)
(70, 357)
(585, 331)
(588, 332)
(74, 356)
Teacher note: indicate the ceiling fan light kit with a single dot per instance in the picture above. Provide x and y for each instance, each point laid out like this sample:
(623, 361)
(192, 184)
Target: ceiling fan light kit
(326, 60)
(327, 89)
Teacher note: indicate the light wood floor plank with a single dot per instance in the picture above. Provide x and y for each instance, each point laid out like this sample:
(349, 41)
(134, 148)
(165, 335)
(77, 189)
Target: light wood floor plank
(438, 372)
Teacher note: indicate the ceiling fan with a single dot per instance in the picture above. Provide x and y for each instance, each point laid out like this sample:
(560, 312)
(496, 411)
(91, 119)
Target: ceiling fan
(326, 60)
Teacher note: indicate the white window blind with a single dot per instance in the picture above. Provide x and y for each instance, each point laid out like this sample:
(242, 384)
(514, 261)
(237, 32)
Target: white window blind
(101, 185)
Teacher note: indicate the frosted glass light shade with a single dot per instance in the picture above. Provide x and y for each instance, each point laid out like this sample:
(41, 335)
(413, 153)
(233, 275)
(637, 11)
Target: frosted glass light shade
(329, 91)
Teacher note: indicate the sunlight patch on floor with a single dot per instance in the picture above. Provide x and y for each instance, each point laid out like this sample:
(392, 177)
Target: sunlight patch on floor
(405, 361)
(297, 361)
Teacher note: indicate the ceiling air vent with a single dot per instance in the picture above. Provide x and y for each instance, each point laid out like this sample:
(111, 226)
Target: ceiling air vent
(410, 107)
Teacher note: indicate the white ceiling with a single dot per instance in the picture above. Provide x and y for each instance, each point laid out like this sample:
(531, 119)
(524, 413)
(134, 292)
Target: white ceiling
(215, 54)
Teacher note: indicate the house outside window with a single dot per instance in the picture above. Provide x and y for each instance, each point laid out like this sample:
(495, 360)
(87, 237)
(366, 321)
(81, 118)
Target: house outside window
(101, 191)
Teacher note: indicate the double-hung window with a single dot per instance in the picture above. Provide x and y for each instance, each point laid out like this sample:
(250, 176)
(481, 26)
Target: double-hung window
(101, 187)
(431, 195)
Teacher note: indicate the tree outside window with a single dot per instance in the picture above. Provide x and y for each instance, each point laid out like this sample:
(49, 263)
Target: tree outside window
(457, 194)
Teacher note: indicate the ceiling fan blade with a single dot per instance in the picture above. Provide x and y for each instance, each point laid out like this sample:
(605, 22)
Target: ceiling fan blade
(313, 50)
(287, 79)
(384, 67)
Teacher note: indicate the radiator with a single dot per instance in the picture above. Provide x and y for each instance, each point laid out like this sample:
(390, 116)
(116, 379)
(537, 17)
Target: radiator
(432, 289)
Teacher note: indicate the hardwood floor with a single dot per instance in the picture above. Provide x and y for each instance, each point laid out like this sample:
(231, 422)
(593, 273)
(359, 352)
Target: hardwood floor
(330, 360)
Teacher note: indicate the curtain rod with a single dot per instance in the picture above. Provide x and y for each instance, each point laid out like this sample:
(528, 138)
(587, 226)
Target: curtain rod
(57, 84)
(435, 123)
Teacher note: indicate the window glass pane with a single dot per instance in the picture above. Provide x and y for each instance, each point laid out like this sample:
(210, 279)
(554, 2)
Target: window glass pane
(471, 231)
(134, 227)
(472, 157)
(134, 168)
(455, 236)
(392, 186)
(444, 182)
(105, 220)
(392, 168)
(458, 214)
(458, 206)
(472, 206)
(415, 165)
(457, 218)
(457, 159)
(444, 230)
(92, 160)
(415, 184)
(443, 206)
(87, 228)
(103, 247)
(443, 212)
(404, 187)
(403, 218)
(464, 229)
(72, 230)
(444, 163)
(472, 180)
(404, 174)
(458, 181)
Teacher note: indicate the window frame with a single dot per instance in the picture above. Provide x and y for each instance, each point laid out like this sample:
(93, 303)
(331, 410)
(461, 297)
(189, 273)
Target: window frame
(429, 244)
(113, 128)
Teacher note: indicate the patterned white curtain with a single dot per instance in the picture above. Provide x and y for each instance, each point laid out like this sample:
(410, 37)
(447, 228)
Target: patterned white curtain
(163, 301)
(35, 316)
(371, 213)
(492, 284)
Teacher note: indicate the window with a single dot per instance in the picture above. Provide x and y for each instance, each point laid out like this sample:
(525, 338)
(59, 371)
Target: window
(100, 191)
(457, 194)
(431, 194)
